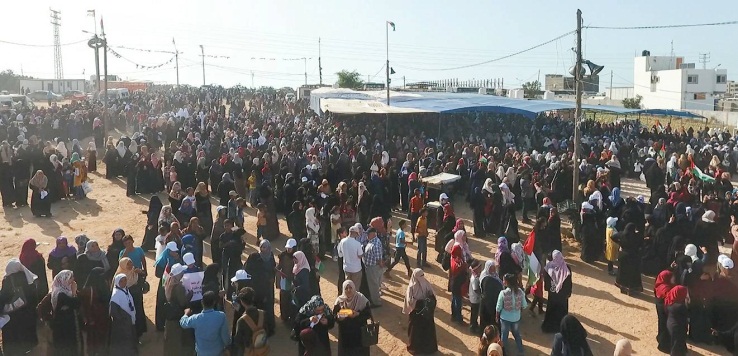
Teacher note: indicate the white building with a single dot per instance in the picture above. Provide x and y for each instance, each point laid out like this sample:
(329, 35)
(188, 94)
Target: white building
(666, 82)
(59, 86)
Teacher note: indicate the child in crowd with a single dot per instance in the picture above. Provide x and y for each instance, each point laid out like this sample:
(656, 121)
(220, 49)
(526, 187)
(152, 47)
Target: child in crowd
(421, 229)
(261, 220)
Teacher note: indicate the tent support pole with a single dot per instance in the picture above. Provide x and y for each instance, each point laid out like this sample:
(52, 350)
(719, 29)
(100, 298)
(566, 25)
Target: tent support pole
(438, 139)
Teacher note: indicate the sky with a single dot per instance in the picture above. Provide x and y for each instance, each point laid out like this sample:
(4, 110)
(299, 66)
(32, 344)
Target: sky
(262, 42)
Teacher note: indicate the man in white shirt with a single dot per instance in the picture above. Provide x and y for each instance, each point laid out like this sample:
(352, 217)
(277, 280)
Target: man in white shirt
(350, 249)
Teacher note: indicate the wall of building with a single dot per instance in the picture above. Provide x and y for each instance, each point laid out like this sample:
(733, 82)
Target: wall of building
(59, 86)
(618, 94)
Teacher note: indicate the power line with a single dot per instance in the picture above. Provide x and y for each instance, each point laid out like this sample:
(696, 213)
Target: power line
(499, 58)
(662, 26)
(36, 45)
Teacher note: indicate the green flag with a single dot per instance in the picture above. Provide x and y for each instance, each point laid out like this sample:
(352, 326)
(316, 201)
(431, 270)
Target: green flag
(702, 176)
(391, 24)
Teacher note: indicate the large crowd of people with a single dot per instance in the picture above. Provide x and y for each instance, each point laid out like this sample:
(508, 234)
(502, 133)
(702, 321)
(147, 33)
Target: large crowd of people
(338, 183)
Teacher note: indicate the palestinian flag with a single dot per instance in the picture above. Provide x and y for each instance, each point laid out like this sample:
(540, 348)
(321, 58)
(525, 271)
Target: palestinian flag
(391, 24)
(663, 150)
(697, 173)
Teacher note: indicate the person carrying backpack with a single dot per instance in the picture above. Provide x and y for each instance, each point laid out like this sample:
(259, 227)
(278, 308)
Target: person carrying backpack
(251, 334)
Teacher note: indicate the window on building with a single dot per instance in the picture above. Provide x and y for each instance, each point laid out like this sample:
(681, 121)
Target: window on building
(692, 79)
(722, 78)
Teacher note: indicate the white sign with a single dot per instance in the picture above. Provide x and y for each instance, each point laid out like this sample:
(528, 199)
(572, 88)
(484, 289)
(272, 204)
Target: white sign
(193, 282)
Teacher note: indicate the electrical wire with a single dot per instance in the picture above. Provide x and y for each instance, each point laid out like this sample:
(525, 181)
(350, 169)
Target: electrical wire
(35, 45)
(499, 58)
(662, 26)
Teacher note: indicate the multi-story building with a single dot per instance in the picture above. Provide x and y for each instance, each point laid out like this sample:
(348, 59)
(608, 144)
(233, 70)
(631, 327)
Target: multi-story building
(666, 82)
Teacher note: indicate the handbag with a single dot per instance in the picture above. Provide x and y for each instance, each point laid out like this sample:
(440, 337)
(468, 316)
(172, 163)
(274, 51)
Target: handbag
(428, 307)
(17, 300)
(145, 287)
(446, 262)
(370, 333)
(86, 187)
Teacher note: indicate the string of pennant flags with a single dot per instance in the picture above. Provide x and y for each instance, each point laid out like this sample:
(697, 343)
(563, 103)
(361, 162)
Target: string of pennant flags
(169, 52)
(140, 66)
(279, 59)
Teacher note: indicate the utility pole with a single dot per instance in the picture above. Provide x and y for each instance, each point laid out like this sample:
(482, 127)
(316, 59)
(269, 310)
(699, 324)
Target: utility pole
(106, 120)
(176, 60)
(202, 50)
(320, 66)
(58, 67)
(611, 84)
(578, 110)
(403, 82)
(252, 79)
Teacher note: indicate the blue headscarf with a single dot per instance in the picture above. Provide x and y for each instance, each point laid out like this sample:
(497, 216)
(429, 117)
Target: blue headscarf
(615, 196)
(188, 245)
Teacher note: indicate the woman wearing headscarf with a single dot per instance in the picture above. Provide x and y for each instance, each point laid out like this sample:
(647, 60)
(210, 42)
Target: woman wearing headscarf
(226, 186)
(123, 336)
(111, 160)
(419, 305)
(211, 283)
(557, 281)
(178, 298)
(664, 283)
(92, 157)
(167, 217)
(675, 302)
(34, 261)
(591, 248)
(572, 339)
(261, 266)
(352, 312)
(285, 278)
(301, 284)
(56, 179)
(163, 265)
(203, 206)
(95, 298)
(313, 228)
(114, 249)
(152, 223)
(216, 254)
(40, 200)
(92, 257)
(446, 227)
(126, 267)
(315, 315)
(66, 322)
(199, 233)
(19, 334)
(491, 285)
(629, 267)
(503, 257)
(458, 277)
(62, 256)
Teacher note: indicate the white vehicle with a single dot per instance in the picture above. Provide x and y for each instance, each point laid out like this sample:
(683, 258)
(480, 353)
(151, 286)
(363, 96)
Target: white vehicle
(117, 93)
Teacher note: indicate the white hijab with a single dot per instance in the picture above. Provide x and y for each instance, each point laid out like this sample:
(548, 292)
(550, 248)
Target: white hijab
(311, 222)
(14, 266)
(122, 297)
(62, 149)
(121, 148)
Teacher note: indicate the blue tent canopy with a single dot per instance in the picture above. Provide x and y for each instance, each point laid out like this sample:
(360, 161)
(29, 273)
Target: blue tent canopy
(451, 103)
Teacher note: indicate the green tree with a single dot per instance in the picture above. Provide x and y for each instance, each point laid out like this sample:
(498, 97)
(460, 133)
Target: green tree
(348, 79)
(531, 89)
(632, 103)
(10, 81)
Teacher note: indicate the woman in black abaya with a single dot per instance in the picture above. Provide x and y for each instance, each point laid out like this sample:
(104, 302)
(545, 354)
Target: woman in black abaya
(591, 249)
(152, 223)
(629, 267)
(557, 281)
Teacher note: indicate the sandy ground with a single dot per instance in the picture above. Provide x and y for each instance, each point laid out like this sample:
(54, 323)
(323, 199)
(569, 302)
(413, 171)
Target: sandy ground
(607, 314)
